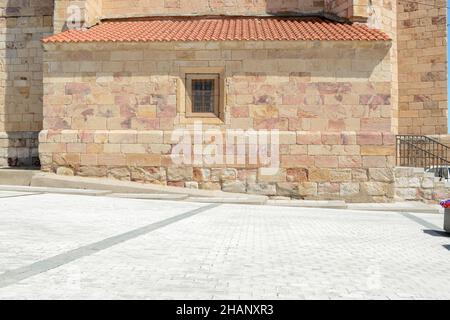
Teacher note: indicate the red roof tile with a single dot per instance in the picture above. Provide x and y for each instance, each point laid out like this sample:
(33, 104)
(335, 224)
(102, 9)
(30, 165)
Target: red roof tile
(219, 28)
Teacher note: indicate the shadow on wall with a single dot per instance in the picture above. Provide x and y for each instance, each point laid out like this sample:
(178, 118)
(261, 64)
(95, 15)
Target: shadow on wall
(24, 24)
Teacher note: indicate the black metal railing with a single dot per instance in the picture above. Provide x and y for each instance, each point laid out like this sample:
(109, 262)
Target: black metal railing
(423, 152)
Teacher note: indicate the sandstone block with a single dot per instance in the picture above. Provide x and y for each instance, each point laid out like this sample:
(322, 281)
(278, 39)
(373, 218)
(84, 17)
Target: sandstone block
(88, 171)
(278, 176)
(191, 184)
(150, 174)
(223, 174)
(369, 138)
(349, 189)
(375, 188)
(296, 175)
(288, 189)
(119, 173)
(377, 150)
(307, 189)
(210, 185)
(340, 175)
(406, 193)
(262, 189)
(381, 174)
(64, 171)
(319, 175)
(201, 174)
(328, 188)
(234, 186)
(427, 183)
(179, 174)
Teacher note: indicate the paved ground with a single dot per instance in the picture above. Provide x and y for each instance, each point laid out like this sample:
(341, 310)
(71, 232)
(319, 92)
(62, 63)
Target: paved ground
(64, 246)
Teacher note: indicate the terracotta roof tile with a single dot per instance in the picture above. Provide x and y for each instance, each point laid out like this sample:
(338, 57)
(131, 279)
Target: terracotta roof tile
(219, 28)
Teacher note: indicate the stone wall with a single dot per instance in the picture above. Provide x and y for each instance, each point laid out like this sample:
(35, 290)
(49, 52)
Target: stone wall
(414, 184)
(120, 8)
(418, 58)
(22, 25)
(350, 9)
(111, 112)
(422, 67)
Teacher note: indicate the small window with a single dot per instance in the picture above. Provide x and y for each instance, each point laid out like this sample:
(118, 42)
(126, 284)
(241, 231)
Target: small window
(202, 95)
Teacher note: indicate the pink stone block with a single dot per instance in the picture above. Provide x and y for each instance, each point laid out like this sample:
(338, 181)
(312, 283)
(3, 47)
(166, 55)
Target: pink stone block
(326, 161)
(239, 112)
(389, 138)
(372, 138)
(296, 175)
(374, 161)
(377, 99)
(376, 124)
(296, 161)
(336, 125)
(331, 138)
(77, 88)
(309, 138)
(350, 162)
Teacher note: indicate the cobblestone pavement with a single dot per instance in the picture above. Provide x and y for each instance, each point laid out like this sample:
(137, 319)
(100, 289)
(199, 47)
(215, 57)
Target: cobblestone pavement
(80, 247)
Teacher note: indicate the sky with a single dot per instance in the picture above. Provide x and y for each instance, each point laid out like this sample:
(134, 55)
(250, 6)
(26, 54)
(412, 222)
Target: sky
(448, 55)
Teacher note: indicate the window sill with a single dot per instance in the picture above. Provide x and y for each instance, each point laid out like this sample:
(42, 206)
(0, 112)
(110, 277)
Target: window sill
(205, 120)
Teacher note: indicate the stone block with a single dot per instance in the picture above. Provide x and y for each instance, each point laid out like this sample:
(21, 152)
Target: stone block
(119, 173)
(427, 183)
(319, 175)
(90, 171)
(340, 175)
(328, 188)
(296, 175)
(377, 150)
(375, 188)
(151, 137)
(381, 174)
(406, 193)
(349, 189)
(150, 174)
(210, 186)
(306, 189)
(191, 184)
(288, 189)
(64, 171)
(278, 176)
(234, 186)
(262, 189)
(180, 174)
(202, 174)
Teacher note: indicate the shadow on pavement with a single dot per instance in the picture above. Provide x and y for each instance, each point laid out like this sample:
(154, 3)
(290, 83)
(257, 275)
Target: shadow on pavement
(437, 233)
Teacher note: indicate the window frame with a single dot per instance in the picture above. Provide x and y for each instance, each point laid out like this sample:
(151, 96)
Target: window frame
(189, 95)
(218, 119)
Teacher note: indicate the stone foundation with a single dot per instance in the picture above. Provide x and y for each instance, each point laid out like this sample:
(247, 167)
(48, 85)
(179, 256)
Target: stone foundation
(313, 165)
(19, 149)
(416, 185)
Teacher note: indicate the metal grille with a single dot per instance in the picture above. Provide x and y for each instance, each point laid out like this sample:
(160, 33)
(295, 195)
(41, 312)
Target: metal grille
(423, 152)
(203, 95)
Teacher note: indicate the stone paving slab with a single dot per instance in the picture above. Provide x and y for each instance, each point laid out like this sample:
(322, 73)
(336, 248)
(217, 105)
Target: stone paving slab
(40, 226)
(226, 252)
